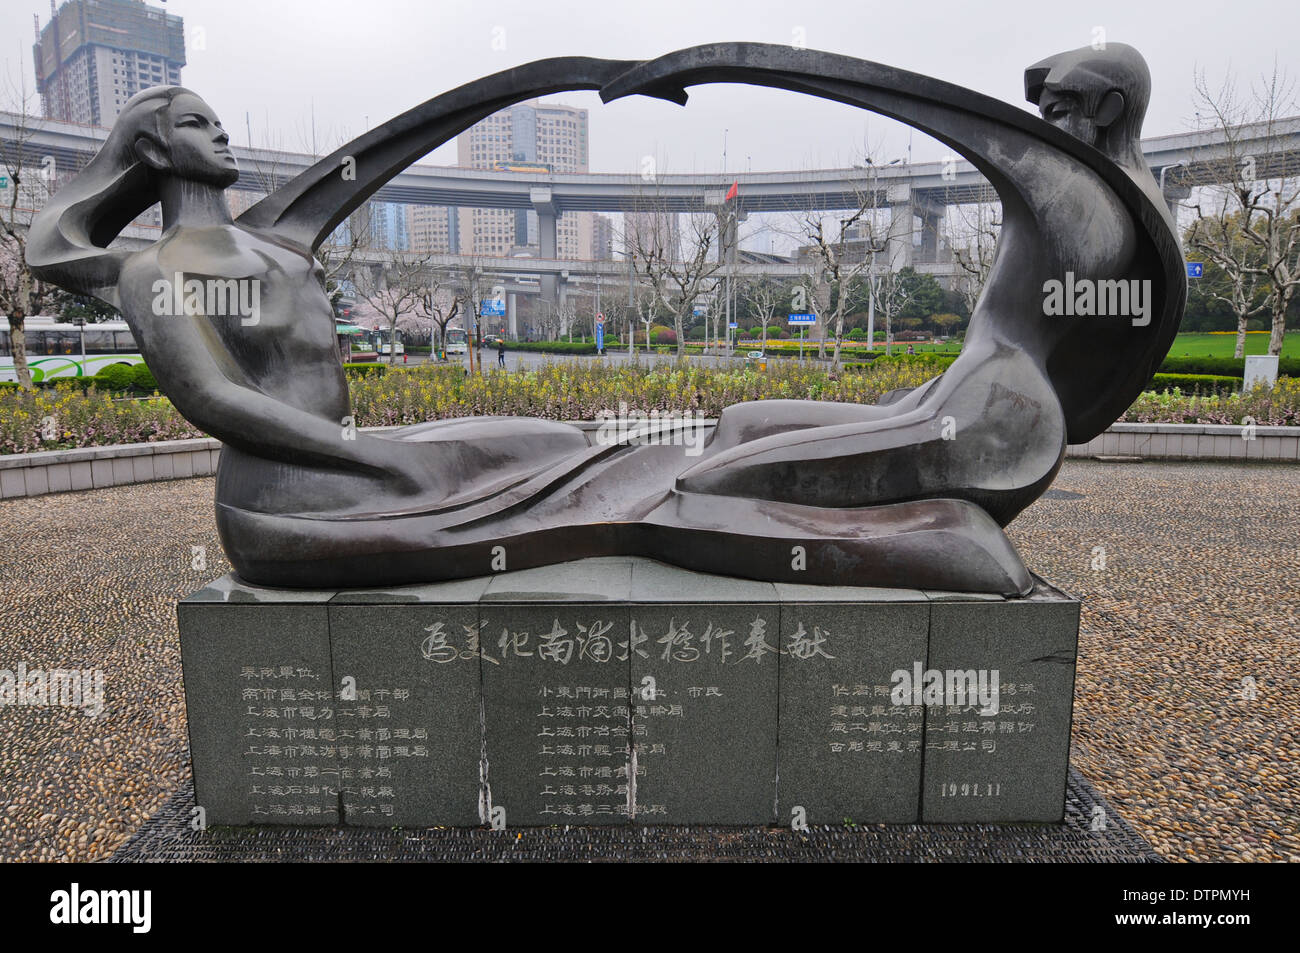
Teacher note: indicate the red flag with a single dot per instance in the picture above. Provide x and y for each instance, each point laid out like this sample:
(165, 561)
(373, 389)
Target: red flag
(731, 193)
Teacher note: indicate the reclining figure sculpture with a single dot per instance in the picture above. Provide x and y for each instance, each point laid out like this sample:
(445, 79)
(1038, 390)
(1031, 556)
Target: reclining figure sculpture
(800, 491)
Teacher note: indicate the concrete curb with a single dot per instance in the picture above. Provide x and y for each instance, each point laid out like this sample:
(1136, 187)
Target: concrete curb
(1192, 442)
(93, 468)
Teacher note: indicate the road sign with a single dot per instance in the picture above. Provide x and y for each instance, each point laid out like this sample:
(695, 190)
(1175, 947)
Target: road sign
(733, 325)
(1195, 269)
(803, 318)
(4, 182)
(490, 308)
(600, 319)
(600, 333)
(699, 311)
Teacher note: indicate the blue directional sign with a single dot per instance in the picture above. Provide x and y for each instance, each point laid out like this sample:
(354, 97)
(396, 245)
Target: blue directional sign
(600, 335)
(733, 325)
(803, 318)
(1195, 269)
(492, 308)
(699, 310)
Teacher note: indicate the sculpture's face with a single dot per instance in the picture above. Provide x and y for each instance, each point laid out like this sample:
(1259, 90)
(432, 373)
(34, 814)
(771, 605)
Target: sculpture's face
(199, 148)
(1064, 110)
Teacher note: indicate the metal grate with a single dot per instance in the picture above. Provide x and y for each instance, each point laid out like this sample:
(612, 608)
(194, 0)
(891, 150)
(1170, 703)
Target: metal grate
(167, 837)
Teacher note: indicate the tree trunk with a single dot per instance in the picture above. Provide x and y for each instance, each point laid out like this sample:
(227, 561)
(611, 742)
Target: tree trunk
(1240, 350)
(18, 343)
(839, 335)
(1281, 301)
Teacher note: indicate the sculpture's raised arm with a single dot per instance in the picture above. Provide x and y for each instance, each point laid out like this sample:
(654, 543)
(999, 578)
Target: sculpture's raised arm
(1067, 203)
(312, 204)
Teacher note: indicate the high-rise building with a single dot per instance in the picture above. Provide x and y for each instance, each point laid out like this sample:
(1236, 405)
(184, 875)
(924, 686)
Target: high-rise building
(94, 55)
(388, 226)
(381, 226)
(529, 136)
(659, 230)
(602, 238)
(431, 228)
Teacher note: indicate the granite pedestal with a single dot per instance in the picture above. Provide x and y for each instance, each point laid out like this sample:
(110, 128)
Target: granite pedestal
(622, 690)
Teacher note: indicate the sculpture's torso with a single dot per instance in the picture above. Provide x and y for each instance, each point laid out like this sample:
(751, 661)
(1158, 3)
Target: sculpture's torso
(287, 349)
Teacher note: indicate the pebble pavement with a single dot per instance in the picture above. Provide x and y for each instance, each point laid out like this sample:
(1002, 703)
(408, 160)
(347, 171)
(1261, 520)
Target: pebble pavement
(1197, 593)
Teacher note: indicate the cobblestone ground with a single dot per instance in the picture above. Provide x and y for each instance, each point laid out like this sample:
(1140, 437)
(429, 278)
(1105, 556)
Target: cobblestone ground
(1200, 591)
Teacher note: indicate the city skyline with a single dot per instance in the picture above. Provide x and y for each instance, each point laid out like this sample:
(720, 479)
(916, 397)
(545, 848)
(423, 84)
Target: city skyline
(228, 58)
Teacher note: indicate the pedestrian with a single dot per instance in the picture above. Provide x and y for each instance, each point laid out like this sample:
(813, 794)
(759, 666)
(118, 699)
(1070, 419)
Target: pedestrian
(501, 352)
(910, 349)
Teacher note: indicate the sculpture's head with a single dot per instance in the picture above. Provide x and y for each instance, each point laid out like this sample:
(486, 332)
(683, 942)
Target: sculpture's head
(1097, 95)
(162, 131)
(174, 132)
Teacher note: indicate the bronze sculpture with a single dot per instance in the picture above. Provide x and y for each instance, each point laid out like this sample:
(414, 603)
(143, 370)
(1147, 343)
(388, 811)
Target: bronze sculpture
(785, 490)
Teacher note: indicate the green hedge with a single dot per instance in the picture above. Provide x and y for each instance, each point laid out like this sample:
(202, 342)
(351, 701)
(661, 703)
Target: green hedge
(1223, 366)
(365, 369)
(143, 378)
(1194, 382)
(116, 377)
(940, 361)
(551, 347)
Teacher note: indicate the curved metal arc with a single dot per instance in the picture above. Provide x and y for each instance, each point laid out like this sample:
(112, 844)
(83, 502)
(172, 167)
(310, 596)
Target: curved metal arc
(310, 206)
(991, 134)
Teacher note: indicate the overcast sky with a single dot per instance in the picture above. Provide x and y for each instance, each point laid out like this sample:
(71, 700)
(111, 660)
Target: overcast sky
(358, 63)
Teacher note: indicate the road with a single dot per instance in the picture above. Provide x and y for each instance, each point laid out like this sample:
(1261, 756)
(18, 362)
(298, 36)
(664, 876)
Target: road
(527, 360)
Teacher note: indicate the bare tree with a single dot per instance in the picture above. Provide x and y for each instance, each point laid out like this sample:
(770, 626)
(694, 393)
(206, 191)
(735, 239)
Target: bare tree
(28, 185)
(471, 282)
(440, 302)
(395, 288)
(764, 297)
(1258, 202)
(973, 247)
(892, 292)
(843, 249)
(1236, 279)
(678, 280)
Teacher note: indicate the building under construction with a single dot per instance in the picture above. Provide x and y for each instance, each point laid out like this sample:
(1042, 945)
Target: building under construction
(94, 55)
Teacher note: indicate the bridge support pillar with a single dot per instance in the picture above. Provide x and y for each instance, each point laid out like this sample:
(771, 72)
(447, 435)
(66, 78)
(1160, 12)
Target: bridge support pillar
(898, 254)
(547, 221)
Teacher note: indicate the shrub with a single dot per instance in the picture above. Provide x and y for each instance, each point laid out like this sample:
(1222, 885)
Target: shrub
(1193, 383)
(572, 390)
(857, 334)
(1223, 366)
(939, 362)
(552, 347)
(365, 369)
(143, 378)
(665, 336)
(116, 377)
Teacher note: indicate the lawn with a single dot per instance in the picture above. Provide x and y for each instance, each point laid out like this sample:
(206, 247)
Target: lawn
(1185, 345)
(1222, 345)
